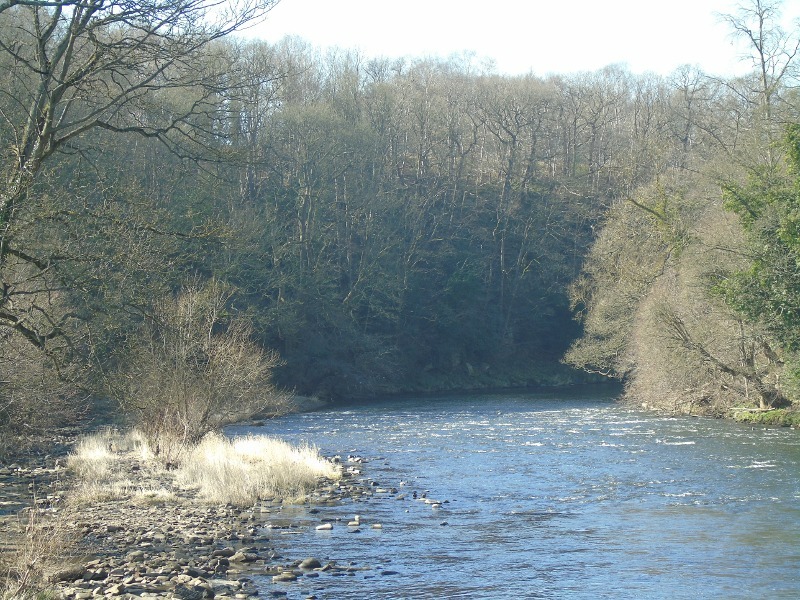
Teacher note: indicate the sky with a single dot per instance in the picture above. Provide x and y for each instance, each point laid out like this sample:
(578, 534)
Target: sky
(525, 36)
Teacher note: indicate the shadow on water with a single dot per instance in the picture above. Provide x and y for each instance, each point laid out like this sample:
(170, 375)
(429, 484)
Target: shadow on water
(594, 392)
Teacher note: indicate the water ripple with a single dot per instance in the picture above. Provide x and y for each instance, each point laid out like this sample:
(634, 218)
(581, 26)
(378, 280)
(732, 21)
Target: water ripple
(551, 497)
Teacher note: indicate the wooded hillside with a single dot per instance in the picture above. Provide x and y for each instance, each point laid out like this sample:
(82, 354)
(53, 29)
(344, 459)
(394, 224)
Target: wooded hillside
(384, 224)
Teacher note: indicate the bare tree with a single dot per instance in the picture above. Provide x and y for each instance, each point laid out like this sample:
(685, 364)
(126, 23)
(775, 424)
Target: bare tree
(773, 53)
(78, 66)
(192, 369)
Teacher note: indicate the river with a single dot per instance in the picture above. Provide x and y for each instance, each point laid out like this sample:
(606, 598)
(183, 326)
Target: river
(566, 495)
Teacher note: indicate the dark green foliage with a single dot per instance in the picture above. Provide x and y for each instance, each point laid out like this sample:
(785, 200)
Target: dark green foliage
(769, 290)
(378, 246)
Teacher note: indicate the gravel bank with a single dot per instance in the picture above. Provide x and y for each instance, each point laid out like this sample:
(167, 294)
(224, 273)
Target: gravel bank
(170, 543)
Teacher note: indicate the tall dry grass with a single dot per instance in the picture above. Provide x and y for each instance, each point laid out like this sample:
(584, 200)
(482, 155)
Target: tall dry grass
(101, 464)
(237, 471)
(242, 470)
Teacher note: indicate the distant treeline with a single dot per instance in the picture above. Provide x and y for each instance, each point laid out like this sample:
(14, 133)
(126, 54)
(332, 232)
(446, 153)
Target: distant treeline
(387, 225)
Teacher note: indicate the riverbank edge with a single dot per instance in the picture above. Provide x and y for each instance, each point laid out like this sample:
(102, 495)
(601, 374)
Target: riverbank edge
(766, 417)
(199, 562)
(180, 547)
(771, 417)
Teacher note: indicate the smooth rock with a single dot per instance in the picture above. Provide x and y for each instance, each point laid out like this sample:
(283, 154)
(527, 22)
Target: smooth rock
(68, 574)
(135, 556)
(115, 590)
(311, 563)
(189, 593)
(244, 557)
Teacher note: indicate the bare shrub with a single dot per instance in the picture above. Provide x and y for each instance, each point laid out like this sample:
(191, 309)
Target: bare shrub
(42, 547)
(242, 470)
(193, 369)
(37, 392)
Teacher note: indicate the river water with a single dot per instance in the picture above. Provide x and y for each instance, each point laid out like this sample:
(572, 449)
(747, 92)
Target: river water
(551, 496)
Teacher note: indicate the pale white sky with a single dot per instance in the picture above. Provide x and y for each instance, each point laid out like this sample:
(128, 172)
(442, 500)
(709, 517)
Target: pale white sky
(539, 36)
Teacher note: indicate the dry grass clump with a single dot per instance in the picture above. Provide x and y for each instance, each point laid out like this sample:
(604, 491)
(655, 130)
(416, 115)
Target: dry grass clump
(243, 470)
(97, 462)
(110, 466)
(95, 456)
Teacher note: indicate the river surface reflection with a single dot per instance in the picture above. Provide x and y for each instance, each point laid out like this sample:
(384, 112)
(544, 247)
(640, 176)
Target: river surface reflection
(553, 496)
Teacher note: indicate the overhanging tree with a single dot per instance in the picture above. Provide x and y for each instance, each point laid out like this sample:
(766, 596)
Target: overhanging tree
(74, 67)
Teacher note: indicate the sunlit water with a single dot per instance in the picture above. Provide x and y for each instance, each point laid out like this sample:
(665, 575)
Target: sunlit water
(552, 497)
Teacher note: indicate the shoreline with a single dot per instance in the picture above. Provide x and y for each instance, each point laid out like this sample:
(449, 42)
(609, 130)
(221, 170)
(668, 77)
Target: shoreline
(182, 547)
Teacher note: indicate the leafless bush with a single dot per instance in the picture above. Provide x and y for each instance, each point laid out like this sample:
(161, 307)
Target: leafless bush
(193, 369)
(36, 392)
(41, 547)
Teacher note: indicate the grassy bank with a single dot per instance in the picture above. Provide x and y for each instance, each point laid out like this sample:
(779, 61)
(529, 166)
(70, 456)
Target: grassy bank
(777, 417)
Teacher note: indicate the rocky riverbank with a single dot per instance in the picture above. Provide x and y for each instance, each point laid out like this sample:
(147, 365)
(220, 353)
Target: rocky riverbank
(160, 540)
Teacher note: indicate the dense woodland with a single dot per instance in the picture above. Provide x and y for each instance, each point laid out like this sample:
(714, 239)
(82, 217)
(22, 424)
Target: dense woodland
(188, 214)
